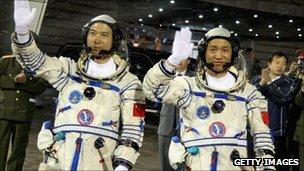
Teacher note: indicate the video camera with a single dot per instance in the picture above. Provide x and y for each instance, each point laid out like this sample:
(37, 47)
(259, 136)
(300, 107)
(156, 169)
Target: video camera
(300, 55)
(301, 65)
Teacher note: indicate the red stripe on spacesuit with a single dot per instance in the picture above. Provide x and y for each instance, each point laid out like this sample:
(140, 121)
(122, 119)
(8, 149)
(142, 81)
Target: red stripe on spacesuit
(139, 110)
(265, 117)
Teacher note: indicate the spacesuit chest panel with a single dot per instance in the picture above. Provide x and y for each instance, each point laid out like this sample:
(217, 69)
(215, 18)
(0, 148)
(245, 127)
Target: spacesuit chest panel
(87, 105)
(216, 117)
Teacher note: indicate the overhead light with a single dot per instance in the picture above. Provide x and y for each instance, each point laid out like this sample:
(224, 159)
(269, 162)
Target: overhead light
(142, 24)
(215, 9)
(140, 20)
(237, 22)
(150, 15)
(231, 32)
(300, 35)
(173, 24)
(204, 28)
(160, 10)
(298, 29)
(256, 34)
(200, 16)
(278, 37)
(269, 26)
(135, 44)
(172, 2)
(250, 30)
(255, 15)
(160, 25)
(144, 30)
(291, 20)
(235, 34)
(220, 26)
(277, 32)
(186, 21)
(127, 28)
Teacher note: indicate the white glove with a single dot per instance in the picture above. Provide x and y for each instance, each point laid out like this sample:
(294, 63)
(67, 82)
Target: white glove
(182, 46)
(23, 19)
(177, 153)
(126, 153)
(45, 139)
(265, 168)
(121, 168)
(45, 136)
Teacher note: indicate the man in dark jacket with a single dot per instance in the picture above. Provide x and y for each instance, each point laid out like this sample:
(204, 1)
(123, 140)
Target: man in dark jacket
(279, 91)
(17, 101)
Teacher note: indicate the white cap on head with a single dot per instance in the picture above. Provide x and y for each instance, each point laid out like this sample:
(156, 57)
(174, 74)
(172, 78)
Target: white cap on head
(221, 32)
(111, 22)
(105, 18)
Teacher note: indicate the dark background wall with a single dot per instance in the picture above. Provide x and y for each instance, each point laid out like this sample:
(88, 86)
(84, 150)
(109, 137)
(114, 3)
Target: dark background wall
(6, 25)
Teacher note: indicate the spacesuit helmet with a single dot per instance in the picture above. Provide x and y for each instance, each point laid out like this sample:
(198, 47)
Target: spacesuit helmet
(216, 33)
(118, 43)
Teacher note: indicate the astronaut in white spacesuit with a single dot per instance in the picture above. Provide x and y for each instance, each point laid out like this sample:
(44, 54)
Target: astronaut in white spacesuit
(218, 108)
(98, 97)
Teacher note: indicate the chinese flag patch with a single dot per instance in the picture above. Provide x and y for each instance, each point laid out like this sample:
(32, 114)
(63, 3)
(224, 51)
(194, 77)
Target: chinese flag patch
(265, 117)
(139, 110)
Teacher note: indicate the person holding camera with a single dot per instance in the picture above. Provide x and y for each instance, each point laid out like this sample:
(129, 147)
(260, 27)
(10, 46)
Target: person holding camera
(279, 91)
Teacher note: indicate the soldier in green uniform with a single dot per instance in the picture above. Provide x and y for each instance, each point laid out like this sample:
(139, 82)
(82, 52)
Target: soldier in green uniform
(17, 101)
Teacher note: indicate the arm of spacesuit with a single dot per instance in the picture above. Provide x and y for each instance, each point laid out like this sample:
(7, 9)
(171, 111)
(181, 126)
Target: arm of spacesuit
(157, 83)
(162, 87)
(258, 121)
(132, 117)
(54, 70)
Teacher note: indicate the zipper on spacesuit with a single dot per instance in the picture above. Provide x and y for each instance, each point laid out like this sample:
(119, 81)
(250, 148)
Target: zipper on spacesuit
(105, 157)
(78, 144)
(77, 153)
(214, 160)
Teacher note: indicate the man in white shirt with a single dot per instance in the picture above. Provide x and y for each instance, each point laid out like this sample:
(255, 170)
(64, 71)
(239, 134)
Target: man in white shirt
(216, 107)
